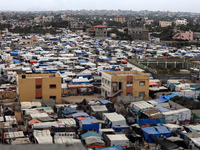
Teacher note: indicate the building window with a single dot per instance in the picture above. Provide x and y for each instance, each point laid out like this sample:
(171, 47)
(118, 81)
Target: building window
(141, 93)
(129, 84)
(38, 86)
(52, 97)
(129, 94)
(108, 82)
(114, 84)
(52, 86)
(142, 83)
(38, 97)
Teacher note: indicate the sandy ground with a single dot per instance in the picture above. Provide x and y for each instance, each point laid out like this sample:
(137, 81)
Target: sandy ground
(74, 99)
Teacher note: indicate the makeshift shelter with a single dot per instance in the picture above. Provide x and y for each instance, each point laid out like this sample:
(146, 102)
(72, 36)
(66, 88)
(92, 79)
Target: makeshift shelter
(90, 133)
(68, 111)
(118, 139)
(163, 131)
(117, 147)
(149, 131)
(94, 142)
(89, 124)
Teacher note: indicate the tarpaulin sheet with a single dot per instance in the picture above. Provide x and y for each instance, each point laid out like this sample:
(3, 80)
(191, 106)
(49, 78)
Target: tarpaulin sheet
(148, 121)
(88, 124)
(90, 133)
(68, 111)
(16, 61)
(110, 148)
(162, 109)
(160, 100)
(163, 131)
(80, 115)
(81, 61)
(103, 102)
(150, 131)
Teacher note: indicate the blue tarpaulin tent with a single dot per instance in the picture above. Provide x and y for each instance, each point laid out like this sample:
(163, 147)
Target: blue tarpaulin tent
(117, 147)
(147, 121)
(104, 102)
(160, 100)
(163, 131)
(14, 53)
(16, 61)
(88, 124)
(81, 61)
(150, 131)
(80, 115)
(197, 87)
(68, 111)
(90, 133)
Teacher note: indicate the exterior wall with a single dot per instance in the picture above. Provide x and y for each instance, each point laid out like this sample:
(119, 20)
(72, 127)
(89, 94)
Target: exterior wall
(121, 19)
(184, 36)
(181, 22)
(25, 41)
(100, 32)
(165, 23)
(112, 84)
(27, 87)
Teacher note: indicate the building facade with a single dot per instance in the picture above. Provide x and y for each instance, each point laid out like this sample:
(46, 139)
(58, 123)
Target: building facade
(39, 86)
(100, 31)
(188, 35)
(124, 83)
(165, 23)
(121, 19)
(181, 22)
(137, 30)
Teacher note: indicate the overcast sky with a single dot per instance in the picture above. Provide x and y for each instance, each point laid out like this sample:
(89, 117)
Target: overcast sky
(171, 5)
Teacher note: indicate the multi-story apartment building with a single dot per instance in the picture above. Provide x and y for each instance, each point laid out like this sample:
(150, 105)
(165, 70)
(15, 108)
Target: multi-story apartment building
(124, 83)
(39, 86)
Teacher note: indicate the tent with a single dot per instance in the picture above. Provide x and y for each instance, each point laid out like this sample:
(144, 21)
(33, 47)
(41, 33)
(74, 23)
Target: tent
(90, 133)
(163, 131)
(89, 124)
(68, 111)
(81, 61)
(150, 131)
(16, 61)
(117, 147)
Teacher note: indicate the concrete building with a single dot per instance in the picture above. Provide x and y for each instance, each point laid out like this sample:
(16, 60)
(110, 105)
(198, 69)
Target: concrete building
(77, 26)
(181, 22)
(100, 31)
(165, 23)
(124, 83)
(121, 19)
(188, 35)
(39, 86)
(137, 30)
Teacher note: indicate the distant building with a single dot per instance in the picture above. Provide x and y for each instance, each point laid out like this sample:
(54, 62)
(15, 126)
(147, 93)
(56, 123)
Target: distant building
(165, 23)
(121, 19)
(77, 26)
(28, 40)
(149, 22)
(137, 30)
(181, 22)
(39, 86)
(124, 83)
(188, 35)
(100, 31)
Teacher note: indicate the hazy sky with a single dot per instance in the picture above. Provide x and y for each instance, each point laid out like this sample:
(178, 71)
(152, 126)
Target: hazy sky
(172, 5)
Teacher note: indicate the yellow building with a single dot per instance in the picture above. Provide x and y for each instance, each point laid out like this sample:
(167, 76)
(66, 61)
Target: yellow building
(124, 83)
(39, 86)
